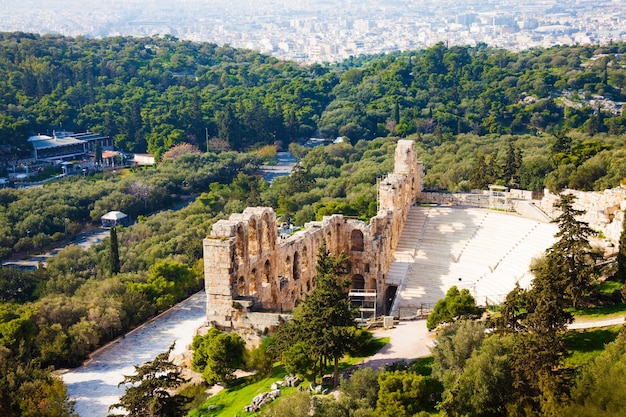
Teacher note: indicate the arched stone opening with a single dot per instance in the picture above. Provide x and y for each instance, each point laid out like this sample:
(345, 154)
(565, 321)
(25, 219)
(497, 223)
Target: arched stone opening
(253, 242)
(372, 284)
(288, 265)
(266, 272)
(304, 262)
(239, 243)
(266, 241)
(241, 286)
(390, 294)
(356, 241)
(296, 266)
(252, 284)
(358, 282)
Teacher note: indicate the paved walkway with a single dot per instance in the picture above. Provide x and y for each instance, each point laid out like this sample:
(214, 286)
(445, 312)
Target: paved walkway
(94, 385)
(408, 340)
(584, 324)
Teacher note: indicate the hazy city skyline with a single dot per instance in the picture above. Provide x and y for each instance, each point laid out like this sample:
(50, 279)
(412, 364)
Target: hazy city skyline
(329, 30)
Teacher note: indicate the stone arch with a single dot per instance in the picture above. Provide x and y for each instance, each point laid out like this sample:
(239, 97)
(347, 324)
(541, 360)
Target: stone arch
(266, 272)
(372, 284)
(358, 282)
(241, 286)
(390, 294)
(253, 240)
(252, 283)
(304, 261)
(239, 243)
(296, 266)
(356, 241)
(288, 265)
(266, 240)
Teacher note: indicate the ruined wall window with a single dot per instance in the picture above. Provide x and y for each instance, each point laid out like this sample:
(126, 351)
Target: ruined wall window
(304, 262)
(356, 240)
(239, 243)
(241, 286)
(372, 285)
(253, 242)
(296, 266)
(252, 284)
(266, 272)
(265, 232)
(358, 282)
(367, 267)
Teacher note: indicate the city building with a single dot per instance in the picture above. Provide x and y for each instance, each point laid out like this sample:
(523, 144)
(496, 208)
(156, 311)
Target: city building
(67, 145)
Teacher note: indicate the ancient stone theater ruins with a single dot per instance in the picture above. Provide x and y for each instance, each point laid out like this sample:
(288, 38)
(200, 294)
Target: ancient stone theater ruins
(404, 259)
(249, 268)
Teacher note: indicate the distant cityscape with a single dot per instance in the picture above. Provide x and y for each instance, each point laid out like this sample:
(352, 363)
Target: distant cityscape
(329, 30)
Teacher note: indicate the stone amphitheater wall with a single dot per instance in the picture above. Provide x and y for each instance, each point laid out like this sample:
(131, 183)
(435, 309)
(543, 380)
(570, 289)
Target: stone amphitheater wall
(604, 212)
(250, 268)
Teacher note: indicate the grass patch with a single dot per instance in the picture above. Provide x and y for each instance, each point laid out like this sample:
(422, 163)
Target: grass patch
(198, 394)
(608, 287)
(230, 402)
(374, 346)
(586, 345)
(423, 366)
(600, 312)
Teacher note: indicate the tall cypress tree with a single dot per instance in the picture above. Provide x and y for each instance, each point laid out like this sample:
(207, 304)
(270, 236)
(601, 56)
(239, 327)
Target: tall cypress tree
(571, 256)
(621, 255)
(115, 253)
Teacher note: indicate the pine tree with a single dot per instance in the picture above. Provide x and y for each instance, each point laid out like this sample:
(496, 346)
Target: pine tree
(540, 315)
(150, 392)
(478, 178)
(324, 320)
(571, 256)
(115, 253)
(509, 168)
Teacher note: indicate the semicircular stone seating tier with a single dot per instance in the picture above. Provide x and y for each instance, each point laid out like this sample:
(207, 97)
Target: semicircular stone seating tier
(485, 251)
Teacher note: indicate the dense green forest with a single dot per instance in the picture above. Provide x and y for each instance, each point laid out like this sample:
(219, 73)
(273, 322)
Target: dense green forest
(533, 119)
(542, 117)
(151, 93)
(55, 316)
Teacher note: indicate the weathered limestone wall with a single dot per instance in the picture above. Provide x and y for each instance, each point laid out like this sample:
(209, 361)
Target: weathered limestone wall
(456, 199)
(604, 210)
(249, 268)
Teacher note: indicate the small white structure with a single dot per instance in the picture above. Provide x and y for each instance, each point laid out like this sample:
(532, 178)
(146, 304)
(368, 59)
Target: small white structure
(143, 159)
(114, 218)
